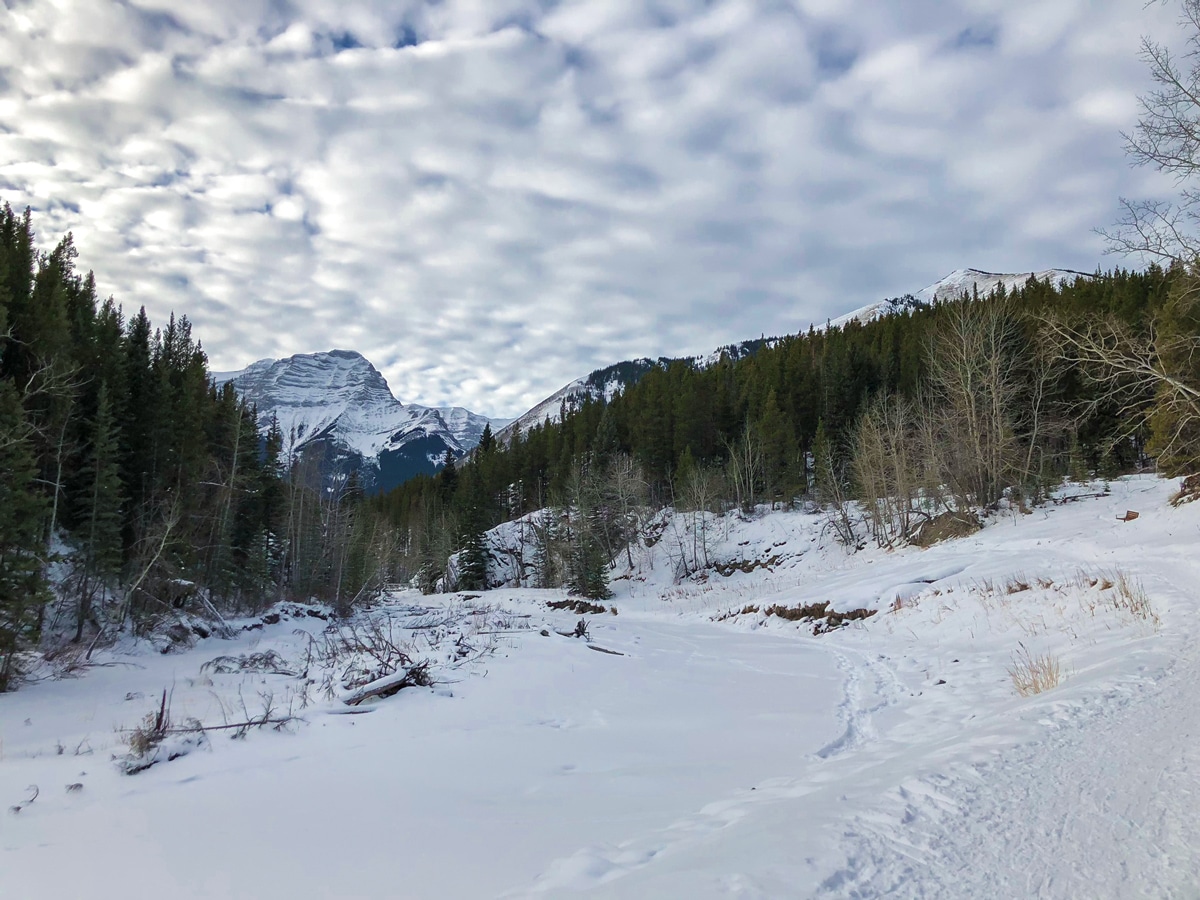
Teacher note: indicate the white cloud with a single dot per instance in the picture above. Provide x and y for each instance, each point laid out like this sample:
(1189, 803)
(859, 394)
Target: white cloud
(491, 197)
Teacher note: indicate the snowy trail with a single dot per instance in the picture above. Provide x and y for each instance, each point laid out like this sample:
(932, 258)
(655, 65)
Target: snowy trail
(1104, 806)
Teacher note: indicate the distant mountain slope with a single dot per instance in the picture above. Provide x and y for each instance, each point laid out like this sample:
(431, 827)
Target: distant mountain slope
(341, 403)
(338, 401)
(604, 383)
(954, 285)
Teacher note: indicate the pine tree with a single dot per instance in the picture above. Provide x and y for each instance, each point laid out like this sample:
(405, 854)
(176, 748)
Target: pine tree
(22, 512)
(99, 511)
(587, 560)
(474, 520)
(1175, 420)
(447, 478)
(777, 447)
(588, 563)
(486, 440)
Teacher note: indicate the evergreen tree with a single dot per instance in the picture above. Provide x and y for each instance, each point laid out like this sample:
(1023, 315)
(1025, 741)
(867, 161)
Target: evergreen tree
(99, 511)
(447, 478)
(474, 520)
(22, 511)
(486, 440)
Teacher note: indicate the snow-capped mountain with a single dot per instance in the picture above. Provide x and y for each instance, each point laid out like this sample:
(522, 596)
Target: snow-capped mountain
(341, 402)
(338, 401)
(604, 383)
(954, 285)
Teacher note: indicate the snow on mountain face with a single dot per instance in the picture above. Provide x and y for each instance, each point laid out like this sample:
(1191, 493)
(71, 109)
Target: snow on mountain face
(967, 281)
(604, 384)
(340, 399)
(953, 286)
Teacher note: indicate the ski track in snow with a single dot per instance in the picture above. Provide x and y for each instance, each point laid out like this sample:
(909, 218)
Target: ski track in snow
(1104, 806)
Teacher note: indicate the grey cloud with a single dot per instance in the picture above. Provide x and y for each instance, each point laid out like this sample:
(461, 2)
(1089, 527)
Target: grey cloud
(491, 197)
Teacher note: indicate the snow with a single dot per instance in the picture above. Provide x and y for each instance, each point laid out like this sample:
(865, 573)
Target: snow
(724, 752)
(548, 410)
(951, 287)
(340, 394)
(965, 281)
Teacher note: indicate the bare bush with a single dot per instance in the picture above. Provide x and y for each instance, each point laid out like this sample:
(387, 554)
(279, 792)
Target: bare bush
(267, 661)
(159, 738)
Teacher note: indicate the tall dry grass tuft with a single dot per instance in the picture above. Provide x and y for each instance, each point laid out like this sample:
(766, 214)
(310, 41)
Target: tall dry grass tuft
(1033, 674)
(1130, 596)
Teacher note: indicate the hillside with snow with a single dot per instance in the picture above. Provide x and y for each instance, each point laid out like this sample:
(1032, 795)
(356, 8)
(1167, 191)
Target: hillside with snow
(958, 283)
(339, 401)
(760, 713)
(605, 383)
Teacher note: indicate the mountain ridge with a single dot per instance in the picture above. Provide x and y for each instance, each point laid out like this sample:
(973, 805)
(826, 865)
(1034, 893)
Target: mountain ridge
(605, 382)
(338, 401)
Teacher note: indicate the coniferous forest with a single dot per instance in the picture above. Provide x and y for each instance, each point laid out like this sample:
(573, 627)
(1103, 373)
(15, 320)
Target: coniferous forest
(133, 490)
(137, 496)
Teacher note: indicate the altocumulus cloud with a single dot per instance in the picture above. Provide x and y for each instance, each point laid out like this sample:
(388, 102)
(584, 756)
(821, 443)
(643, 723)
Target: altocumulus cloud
(490, 197)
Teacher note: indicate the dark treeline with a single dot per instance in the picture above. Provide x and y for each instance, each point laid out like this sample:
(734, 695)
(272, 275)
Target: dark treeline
(982, 397)
(132, 488)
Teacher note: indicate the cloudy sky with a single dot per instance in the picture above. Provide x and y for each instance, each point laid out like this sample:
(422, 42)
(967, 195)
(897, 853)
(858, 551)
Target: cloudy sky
(488, 198)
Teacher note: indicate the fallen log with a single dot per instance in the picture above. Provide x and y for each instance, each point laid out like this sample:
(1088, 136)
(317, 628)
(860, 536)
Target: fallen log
(414, 676)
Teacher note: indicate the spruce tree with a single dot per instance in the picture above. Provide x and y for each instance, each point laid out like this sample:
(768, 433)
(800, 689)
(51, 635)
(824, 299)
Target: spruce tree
(22, 513)
(474, 520)
(99, 511)
(447, 478)
(486, 440)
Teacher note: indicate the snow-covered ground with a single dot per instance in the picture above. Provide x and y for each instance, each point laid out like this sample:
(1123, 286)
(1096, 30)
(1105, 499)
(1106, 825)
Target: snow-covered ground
(717, 751)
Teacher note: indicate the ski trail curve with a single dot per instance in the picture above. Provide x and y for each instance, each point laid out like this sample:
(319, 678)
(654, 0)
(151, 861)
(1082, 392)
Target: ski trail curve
(1104, 806)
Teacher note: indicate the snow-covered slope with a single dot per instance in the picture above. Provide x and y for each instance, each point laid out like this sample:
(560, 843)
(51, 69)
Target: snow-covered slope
(611, 380)
(341, 401)
(966, 281)
(953, 286)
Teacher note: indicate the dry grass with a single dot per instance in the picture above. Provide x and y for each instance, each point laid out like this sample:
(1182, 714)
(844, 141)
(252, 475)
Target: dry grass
(1117, 589)
(1131, 597)
(1031, 674)
(1016, 585)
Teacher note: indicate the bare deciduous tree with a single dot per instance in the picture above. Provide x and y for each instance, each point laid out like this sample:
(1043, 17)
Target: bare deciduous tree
(889, 468)
(977, 388)
(1167, 138)
(1161, 361)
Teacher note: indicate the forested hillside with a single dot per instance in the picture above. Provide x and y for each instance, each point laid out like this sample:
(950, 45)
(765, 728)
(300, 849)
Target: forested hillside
(946, 407)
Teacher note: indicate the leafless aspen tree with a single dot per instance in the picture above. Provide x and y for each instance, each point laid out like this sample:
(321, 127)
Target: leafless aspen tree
(889, 469)
(977, 390)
